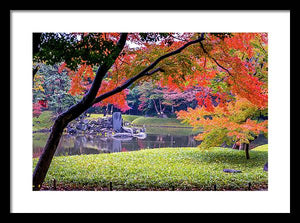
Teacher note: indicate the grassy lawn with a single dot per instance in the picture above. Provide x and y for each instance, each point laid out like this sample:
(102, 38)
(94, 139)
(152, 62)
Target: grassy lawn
(172, 131)
(153, 121)
(160, 169)
(44, 121)
(95, 116)
(130, 118)
(127, 118)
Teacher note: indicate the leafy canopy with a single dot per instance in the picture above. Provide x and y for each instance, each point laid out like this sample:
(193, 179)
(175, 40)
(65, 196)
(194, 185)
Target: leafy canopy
(230, 69)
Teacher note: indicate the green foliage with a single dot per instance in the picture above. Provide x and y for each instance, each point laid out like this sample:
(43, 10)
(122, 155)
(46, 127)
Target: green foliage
(215, 138)
(53, 87)
(133, 99)
(217, 83)
(44, 121)
(72, 48)
(149, 97)
(183, 168)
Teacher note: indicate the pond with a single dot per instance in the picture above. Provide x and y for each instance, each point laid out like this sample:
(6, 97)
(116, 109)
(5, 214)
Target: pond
(96, 144)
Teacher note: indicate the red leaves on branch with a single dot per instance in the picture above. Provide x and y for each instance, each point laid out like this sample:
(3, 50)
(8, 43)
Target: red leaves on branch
(43, 103)
(118, 100)
(81, 81)
(224, 69)
(61, 67)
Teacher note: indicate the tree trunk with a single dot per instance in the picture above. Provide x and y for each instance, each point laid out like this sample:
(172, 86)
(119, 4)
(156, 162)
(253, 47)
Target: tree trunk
(56, 132)
(247, 151)
(245, 146)
(49, 150)
(160, 108)
(156, 109)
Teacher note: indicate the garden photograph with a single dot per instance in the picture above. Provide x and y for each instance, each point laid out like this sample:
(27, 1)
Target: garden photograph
(121, 112)
(150, 111)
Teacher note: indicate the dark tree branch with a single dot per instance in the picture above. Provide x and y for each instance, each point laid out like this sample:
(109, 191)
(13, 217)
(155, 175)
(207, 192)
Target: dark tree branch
(125, 85)
(36, 41)
(154, 71)
(34, 71)
(88, 99)
(204, 50)
(147, 71)
(102, 70)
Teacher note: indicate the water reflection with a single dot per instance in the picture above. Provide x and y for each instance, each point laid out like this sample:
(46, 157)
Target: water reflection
(95, 144)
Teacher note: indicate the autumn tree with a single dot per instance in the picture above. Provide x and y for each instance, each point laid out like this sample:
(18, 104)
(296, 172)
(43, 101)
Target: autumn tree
(239, 86)
(237, 125)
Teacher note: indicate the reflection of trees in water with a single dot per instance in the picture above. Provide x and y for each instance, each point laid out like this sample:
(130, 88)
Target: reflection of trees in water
(75, 145)
(141, 143)
(87, 144)
(191, 141)
(159, 138)
(115, 145)
(37, 151)
(94, 144)
(159, 141)
(132, 145)
(79, 144)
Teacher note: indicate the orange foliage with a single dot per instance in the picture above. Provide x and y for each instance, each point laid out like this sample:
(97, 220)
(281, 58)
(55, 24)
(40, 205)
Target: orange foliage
(235, 121)
(225, 69)
(81, 82)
